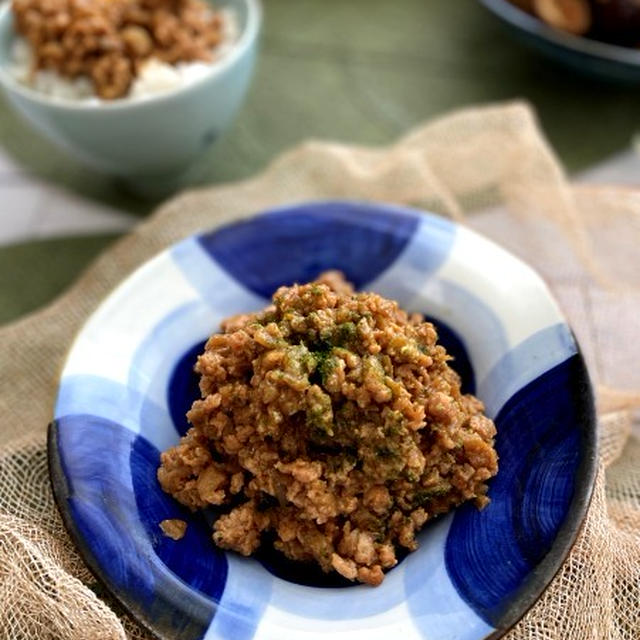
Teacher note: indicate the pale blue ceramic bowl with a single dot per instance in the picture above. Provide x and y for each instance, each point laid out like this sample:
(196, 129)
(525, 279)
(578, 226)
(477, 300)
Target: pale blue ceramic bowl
(153, 139)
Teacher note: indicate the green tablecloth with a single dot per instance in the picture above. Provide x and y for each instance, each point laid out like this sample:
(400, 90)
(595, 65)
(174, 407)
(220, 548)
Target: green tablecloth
(353, 70)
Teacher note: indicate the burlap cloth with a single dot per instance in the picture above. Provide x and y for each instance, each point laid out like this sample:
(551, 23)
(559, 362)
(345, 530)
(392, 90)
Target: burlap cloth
(489, 167)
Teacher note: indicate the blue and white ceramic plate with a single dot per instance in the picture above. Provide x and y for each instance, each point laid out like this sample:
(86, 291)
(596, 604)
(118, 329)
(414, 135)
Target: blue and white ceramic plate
(128, 382)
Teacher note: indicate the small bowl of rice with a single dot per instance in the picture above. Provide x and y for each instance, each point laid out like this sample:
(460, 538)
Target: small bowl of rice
(134, 88)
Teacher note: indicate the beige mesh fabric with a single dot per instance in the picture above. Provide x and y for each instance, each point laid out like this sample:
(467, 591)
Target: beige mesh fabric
(488, 167)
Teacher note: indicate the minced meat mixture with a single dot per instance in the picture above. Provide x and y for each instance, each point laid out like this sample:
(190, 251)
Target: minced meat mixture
(174, 528)
(333, 420)
(109, 40)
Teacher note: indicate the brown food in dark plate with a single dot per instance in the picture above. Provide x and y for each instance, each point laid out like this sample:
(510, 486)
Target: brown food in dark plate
(573, 16)
(617, 21)
(614, 21)
(333, 420)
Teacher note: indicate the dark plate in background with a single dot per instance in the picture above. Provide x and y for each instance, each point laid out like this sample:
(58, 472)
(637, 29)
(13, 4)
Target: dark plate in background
(586, 56)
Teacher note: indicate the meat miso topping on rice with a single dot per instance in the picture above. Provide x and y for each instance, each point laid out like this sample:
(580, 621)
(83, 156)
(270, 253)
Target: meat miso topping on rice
(333, 420)
(109, 49)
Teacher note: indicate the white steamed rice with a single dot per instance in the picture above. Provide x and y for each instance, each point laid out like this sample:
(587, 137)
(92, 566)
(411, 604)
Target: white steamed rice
(155, 77)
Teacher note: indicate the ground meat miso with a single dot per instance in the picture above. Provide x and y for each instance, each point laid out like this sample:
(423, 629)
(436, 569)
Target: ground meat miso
(110, 40)
(333, 420)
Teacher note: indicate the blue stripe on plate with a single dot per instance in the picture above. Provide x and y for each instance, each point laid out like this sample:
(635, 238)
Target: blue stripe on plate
(246, 594)
(194, 558)
(118, 404)
(155, 355)
(295, 244)
(524, 363)
(426, 250)
(216, 287)
(153, 366)
(466, 314)
(436, 608)
(116, 505)
(352, 603)
(489, 553)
